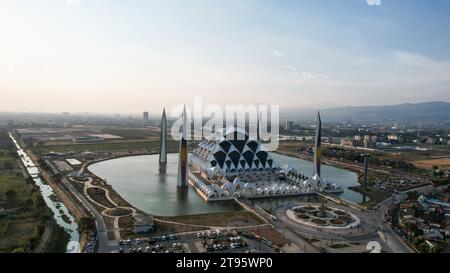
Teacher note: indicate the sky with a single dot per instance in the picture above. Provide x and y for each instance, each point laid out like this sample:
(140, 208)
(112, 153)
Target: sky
(143, 55)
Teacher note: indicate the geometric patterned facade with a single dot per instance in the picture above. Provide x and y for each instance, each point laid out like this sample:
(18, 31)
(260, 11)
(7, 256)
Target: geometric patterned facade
(231, 151)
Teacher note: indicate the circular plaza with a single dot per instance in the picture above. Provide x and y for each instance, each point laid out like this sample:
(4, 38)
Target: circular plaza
(323, 216)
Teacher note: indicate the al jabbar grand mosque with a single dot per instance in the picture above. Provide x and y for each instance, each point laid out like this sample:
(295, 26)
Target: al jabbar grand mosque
(229, 164)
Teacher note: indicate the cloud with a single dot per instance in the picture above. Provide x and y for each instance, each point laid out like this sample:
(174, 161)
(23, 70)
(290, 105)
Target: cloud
(298, 78)
(73, 2)
(291, 69)
(306, 76)
(419, 69)
(374, 2)
(278, 54)
(309, 76)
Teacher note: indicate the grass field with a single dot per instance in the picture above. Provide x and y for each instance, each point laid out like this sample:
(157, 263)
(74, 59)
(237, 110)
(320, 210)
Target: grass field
(216, 219)
(23, 212)
(19, 220)
(107, 147)
(443, 162)
(375, 195)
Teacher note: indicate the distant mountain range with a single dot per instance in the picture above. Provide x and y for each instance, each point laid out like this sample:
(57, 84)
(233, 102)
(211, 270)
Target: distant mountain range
(437, 112)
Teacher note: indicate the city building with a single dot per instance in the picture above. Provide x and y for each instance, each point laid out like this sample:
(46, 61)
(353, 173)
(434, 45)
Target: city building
(88, 139)
(351, 142)
(288, 125)
(395, 138)
(145, 116)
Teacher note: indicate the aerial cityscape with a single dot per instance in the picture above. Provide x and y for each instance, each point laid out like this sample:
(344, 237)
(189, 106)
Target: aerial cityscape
(226, 127)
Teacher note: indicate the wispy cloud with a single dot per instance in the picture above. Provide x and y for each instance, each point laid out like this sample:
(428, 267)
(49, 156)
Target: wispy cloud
(291, 69)
(278, 53)
(421, 70)
(373, 2)
(73, 2)
(297, 76)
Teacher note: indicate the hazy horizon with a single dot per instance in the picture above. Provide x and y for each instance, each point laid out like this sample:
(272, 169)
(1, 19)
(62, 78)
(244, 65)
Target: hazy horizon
(127, 57)
(155, 113)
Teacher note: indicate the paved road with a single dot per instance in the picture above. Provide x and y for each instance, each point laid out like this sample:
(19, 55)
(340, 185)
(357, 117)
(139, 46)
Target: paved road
(295, 238)
(393, 242)
(104, 245)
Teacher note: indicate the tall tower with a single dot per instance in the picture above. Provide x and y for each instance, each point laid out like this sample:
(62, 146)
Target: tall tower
(317, 144)
(145, 116)
(163, 140)
(183, 154)
(258, 129)
(366, 169)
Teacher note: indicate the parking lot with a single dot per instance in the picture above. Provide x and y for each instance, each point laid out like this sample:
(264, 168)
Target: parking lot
(91, 244)
(155, 244)
(210, 241)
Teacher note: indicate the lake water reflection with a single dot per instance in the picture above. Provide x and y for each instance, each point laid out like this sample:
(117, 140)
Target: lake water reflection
(139, 180)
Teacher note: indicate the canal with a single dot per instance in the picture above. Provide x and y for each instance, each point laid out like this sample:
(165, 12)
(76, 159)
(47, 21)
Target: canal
(61, 214)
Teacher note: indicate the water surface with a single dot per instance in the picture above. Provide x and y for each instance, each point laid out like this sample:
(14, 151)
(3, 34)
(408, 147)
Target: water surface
(138, 180)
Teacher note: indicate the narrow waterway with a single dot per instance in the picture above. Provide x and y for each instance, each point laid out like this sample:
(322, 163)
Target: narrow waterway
(61, 214)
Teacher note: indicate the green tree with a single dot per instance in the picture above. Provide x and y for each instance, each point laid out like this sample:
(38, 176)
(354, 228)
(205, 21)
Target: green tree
(412, 195)
(86, 224)
(38, 201)
(10, 194)
(20, 250)
(8, 165)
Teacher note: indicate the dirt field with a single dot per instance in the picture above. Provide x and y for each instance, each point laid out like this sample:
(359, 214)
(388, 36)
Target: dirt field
(443, 162)
(219, 219)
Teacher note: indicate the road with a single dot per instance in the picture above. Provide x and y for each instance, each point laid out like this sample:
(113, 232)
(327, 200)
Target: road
(295, 238)
(104, 245)
(393, 242)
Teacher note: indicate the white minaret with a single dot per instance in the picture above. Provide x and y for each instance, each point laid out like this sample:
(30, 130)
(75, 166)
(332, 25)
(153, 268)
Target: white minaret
(182, 180)
(163, 140)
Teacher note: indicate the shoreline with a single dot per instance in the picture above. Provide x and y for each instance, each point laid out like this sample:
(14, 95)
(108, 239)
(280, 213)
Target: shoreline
(86, 166)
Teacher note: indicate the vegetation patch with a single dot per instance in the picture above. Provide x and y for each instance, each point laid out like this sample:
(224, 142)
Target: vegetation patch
(375, 195)
(99, 195)
(23, 212)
